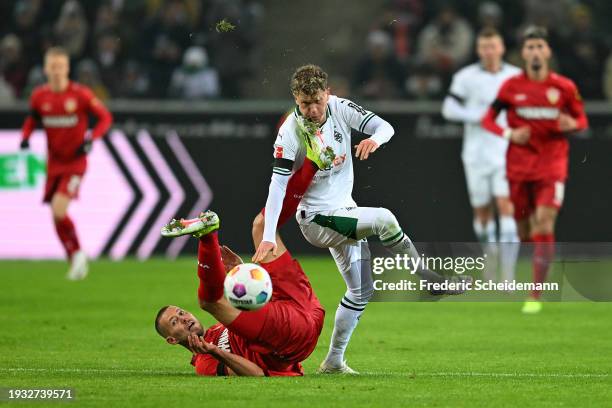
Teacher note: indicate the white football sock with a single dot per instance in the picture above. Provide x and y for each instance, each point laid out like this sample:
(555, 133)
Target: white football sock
(485, 233)
(344, 325)
(359, 290)
(509, 245)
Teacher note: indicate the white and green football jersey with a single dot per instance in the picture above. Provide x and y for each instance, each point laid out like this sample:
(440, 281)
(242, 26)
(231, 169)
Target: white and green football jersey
(330, 188)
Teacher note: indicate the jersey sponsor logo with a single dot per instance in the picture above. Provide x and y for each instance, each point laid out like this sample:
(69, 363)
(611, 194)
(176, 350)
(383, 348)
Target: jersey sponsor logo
(553, 95)
(278, 152)
(223, 342)
(59, 121)
(358, 108)
(70, 105)
(534, 112)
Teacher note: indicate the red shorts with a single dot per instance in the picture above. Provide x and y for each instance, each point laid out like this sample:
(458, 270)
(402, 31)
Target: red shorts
(528, 194)
(289, 326)
(65, 183)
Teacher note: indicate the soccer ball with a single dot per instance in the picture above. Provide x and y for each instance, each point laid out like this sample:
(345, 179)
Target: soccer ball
(248, 287)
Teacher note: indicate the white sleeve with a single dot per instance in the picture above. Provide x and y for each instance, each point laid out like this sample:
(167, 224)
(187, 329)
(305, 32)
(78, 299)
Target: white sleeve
(452, 109)
(455, 104)
(285, 150)
(380, 129)
(274, 205)
(365, 121)
(286, 145)
(354, 115)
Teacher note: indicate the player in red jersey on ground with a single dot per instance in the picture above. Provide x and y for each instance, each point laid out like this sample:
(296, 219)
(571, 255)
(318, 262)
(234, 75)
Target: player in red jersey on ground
(63, 108)
(542, 107)
(271, 341)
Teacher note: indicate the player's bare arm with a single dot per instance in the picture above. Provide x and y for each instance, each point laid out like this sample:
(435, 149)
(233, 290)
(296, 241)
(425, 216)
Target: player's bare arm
(236, 365)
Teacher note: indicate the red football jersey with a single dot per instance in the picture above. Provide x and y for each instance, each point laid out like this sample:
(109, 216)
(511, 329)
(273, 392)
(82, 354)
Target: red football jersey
(537, 105)
(222, 337)
(65, 118)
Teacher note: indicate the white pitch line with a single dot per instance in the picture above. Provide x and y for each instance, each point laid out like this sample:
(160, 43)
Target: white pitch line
(494, 375)
(88, 370)
(402, 374)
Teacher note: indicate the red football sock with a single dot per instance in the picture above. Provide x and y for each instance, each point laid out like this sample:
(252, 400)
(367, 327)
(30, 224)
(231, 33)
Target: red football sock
(296, 187)
(543, 254)
(67, 235)
(210, 268)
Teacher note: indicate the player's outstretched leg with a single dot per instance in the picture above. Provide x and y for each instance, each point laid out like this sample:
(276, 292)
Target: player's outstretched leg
(382, 222)
(205, 223)
(211, 269)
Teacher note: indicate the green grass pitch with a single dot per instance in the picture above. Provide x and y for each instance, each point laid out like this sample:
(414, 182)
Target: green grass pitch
(97, 337)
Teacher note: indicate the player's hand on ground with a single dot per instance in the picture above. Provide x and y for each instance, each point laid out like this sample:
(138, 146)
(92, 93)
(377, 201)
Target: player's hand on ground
(520, 135)
(263, 249)
(567, 123)
(199, 346)
(84, 148)
(25, 144)
(229, 258)
(364, 148)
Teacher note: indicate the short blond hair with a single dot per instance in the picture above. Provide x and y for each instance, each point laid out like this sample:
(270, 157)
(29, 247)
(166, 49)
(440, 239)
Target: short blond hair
(308, 80)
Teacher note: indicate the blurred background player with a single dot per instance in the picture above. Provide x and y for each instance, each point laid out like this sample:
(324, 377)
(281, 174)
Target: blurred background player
(472, 91)
(63, 107)
(271, 341)
(542, 108)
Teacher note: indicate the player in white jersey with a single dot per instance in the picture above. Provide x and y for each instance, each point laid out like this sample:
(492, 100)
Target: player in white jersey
(327, 215)
(472, 90)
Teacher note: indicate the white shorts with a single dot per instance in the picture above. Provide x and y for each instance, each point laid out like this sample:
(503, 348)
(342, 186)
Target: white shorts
(484, 183)
(342, 230)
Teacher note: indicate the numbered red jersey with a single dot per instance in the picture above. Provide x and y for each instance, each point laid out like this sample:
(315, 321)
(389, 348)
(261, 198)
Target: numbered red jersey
(65, 118)
(537, 105)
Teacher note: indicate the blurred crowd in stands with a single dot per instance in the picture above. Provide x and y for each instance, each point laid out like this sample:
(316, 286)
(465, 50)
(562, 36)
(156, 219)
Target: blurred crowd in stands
(132, 48)
(413, 50)
(176, 48)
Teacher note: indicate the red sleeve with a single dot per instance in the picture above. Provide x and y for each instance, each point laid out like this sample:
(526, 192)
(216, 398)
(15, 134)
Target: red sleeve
(97, 108)
(575, 107)
(30, 122)
(205, 364)
(296, 187)
(501, 103)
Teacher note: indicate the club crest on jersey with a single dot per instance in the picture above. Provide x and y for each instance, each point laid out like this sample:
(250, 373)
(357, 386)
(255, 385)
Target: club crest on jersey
(278, 152)
(553, 95)
(70, 105)
(337, 136)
